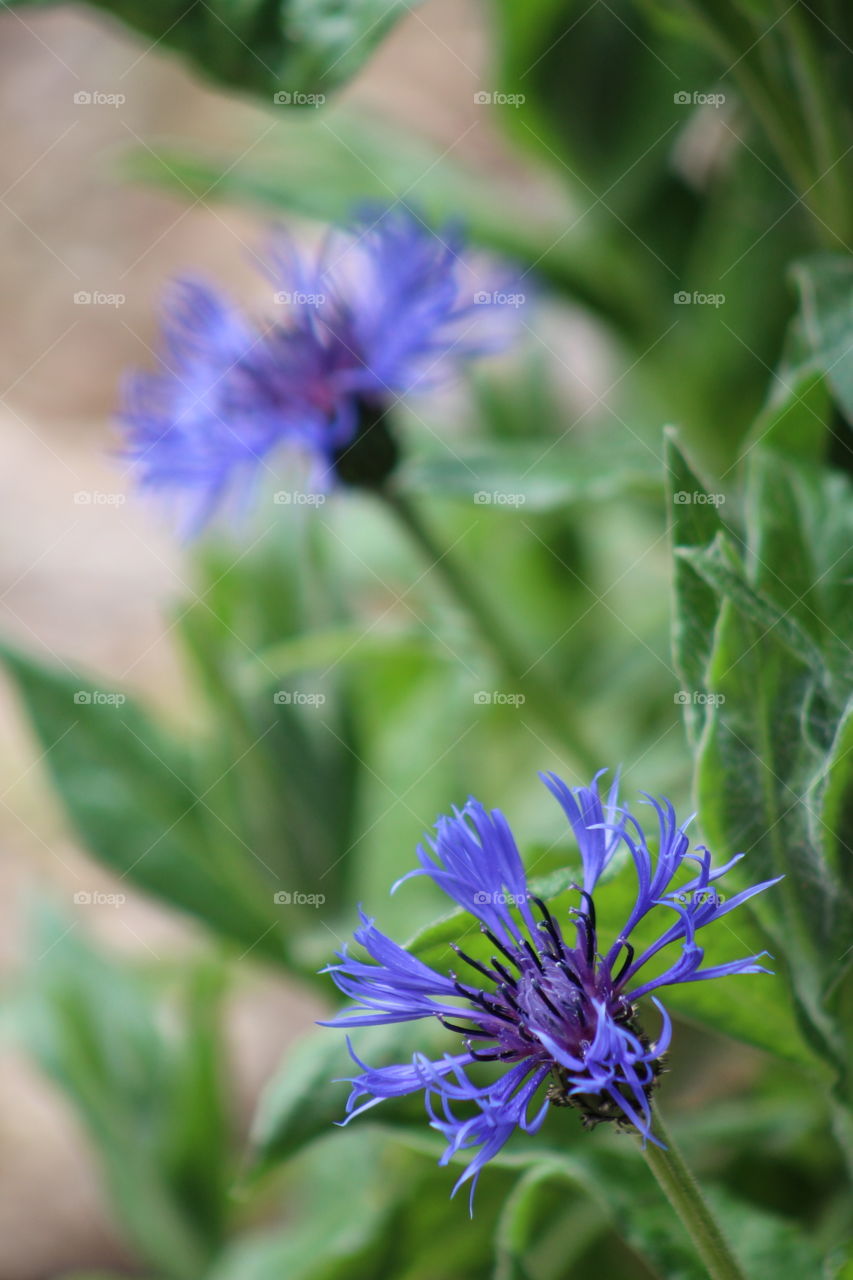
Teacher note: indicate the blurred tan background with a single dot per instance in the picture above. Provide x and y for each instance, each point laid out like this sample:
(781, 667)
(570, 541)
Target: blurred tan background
(92, 582)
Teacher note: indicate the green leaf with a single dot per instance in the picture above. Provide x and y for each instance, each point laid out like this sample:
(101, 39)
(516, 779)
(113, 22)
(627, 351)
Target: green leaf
(719, 565)
(282, 740)
(825, 282)
(767, 1244)
(831, 804)
(136, 799)
(800, 554)
(328, 648)
(152, 1102)
(776, 743)
(794, 420)
(543, 475)
(296, 48)
(342, 1194)
(777, 730)
(528, 1214)
(133, 795)
(612, 1173)
(695, 523)
(300, 1102)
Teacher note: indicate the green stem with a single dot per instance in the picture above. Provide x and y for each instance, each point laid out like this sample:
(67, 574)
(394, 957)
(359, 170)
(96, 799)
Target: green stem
(682, 1191)
(544, 699)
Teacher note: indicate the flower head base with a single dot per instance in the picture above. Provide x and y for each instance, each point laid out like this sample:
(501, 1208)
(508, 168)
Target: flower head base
(548, 1006)
(385, 310)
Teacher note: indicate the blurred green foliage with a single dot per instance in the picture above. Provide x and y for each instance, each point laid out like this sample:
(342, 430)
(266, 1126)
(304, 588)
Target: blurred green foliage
(735, 534)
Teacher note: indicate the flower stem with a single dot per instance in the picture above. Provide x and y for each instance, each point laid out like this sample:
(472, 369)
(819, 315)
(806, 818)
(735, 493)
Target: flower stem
(682, 1191)
(545, 700)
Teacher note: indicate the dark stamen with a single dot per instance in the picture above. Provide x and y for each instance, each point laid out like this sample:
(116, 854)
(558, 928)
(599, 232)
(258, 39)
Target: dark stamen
(623, 968)
(490, 1057)
(547, 948)
(504, 972)
(533, 956)
(510, 998)
(464, 1031)
(537, 987)
(590, 908)
(475, 964)
(549, 923)
(570, 973)
(581, 918)
(500, 946)
(588, 918)
(478, 998)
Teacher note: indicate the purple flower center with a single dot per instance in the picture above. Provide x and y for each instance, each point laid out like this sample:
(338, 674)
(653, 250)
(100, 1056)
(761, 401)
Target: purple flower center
(544, 995)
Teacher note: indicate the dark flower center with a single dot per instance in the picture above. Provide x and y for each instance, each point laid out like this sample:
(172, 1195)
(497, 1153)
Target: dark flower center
(547, 988)
(370, 457)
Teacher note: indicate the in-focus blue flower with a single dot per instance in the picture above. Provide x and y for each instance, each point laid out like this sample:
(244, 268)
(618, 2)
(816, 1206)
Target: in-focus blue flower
(549, 1007)
(387, 308)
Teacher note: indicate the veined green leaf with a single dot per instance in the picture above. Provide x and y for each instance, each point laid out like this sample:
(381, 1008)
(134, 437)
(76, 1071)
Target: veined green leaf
(135, 797)
(152, 1102)
(825, 282)
(695, 523)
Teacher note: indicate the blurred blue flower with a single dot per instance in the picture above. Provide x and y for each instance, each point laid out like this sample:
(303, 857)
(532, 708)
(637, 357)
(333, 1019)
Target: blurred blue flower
(386, 308)
(546, 1006)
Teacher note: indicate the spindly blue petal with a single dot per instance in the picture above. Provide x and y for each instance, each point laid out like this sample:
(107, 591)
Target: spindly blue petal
(473, 857)
(596, 832)
(397, 988)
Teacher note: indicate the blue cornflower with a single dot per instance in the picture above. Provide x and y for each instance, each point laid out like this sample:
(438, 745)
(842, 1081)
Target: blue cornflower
(386, 309)
(549, 1007)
